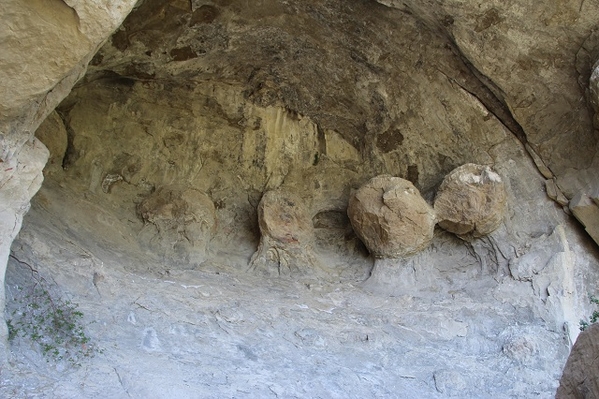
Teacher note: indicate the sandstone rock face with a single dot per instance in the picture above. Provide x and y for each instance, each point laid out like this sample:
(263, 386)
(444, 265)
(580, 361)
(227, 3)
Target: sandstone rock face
(471, 201)
(536, 77)
(586, 210)
(283, 218)
(391, 217)
(287, 236)
(46, 46)
(25, 178)
(594, 91)
(547, 77)
(53, 134)
(179, 223)
(66, 32)
(580, 379)
(233, 99)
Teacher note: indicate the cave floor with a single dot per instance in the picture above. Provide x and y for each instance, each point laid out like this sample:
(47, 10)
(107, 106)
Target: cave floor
(218, 331)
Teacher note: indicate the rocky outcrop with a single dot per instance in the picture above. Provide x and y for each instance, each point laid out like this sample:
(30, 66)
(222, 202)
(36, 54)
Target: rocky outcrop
(580, 379)
(46, 46)
(536, 78)
(391, 217)
(471, 201)
(585, 202)
(53, 134)
(24, 180)
(287, 237)
(545, 87)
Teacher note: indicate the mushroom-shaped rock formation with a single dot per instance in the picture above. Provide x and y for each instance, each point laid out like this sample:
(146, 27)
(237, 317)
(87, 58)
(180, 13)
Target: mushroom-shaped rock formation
(178, 223)
(287, 237)
(391, 217)
(471, 201)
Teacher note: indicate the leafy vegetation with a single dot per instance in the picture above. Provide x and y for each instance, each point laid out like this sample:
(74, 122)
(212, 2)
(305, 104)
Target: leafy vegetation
(594, 316)
(50, 322)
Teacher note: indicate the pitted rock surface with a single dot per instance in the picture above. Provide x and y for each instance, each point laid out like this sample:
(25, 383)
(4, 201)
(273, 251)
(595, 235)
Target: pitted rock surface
(236, 98)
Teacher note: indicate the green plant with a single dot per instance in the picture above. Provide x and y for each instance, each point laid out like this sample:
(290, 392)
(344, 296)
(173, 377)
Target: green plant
(594, 316)
(49, 322)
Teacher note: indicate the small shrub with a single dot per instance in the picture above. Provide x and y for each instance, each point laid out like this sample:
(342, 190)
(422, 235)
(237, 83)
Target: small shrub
(594, 316)
(50, 322)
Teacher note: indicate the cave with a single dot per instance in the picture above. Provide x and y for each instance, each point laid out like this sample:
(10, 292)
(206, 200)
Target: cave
(175, 184)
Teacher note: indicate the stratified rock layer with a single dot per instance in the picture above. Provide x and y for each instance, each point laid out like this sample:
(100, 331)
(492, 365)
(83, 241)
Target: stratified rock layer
(471, 201)
(45, 48)
(391, 217)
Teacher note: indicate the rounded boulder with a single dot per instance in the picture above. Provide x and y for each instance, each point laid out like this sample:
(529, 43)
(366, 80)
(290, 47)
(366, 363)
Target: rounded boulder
(471, 201)
(391, 217)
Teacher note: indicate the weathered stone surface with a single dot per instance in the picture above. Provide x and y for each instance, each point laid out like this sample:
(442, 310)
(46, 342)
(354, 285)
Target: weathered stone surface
(587, 212)
(53, 134)
(25, 178)
(178, 223)
(581, 377)
(548, 96)
(594, 90)
(35, 32)
(555, 193)
(283, 218)
(287, 236)
(45, 48)
(471, 201)
(525, 55)
(236, 98)
(391, 217)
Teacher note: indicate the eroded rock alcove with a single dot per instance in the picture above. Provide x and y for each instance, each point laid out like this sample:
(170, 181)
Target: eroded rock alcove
(199, 174)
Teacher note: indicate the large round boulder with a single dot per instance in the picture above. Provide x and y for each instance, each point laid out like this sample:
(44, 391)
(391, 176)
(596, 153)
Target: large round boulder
(391, 217)
(471, 201)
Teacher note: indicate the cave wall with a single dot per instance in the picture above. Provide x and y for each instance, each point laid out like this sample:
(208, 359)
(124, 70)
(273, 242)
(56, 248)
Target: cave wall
(537, 63)
(232, 99)
(232, 134)
(530, 70)
(171, 104)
